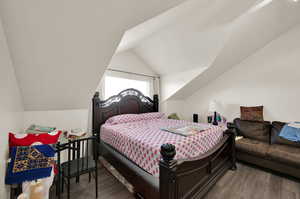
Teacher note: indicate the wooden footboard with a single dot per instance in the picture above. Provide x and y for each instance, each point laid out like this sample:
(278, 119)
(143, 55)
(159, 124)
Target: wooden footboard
(181, 179)
(193, 178)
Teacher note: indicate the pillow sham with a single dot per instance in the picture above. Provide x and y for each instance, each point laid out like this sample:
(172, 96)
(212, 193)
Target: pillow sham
(126, 118)
(29, 139)
(152, 116)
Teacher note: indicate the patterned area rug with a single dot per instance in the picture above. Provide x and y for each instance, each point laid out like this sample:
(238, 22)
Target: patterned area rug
(116, 174)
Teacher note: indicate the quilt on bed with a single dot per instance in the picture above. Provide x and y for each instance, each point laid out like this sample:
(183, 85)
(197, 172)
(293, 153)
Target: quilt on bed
(140, 141)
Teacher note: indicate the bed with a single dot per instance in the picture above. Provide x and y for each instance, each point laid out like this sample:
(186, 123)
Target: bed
(176, 169)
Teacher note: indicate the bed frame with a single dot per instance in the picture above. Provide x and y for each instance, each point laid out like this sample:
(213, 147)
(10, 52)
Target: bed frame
(178, 178)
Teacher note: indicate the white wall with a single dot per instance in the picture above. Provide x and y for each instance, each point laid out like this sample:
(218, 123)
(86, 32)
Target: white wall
(172, 106)
(11, 107)
(130, 62)
(270, 77)
(62, 119)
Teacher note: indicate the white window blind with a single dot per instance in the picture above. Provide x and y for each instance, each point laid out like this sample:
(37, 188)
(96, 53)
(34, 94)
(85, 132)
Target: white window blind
(115, 82)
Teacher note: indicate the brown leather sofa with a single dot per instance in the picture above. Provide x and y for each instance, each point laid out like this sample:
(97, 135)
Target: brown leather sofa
(262, 146)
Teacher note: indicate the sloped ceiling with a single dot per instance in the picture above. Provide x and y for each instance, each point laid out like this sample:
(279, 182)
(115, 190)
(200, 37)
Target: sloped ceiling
(194, 39)
(134, 36)
(128, 61)
(249, 33)
(181, 50)
(212, 35)
(60, 48)
(173, 82)
(184, 41)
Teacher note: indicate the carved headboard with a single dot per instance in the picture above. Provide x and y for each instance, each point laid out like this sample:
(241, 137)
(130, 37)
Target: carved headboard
(126, 102)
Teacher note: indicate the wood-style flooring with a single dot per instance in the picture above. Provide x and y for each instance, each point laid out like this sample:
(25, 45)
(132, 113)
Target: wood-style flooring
(108, 188)
(252, 183)
(245, 183)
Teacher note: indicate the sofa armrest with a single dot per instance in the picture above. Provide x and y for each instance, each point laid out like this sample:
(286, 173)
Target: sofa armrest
(231, 126)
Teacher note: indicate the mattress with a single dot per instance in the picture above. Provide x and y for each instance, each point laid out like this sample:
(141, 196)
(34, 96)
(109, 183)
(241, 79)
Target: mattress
(140, 141)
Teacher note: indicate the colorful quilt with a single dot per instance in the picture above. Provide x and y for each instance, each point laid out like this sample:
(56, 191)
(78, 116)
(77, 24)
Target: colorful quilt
(29, 163)
(140, 141)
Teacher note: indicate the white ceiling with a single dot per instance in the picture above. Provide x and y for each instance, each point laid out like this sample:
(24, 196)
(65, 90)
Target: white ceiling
(60, 48)
(173, 82)
(133, 36)
(184, 37)
(249, 33)
(215, 35)
(181, 50)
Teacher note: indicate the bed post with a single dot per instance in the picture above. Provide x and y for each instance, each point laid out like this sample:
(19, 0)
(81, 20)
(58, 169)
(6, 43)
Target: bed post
(155, 103)
(167, 170)
(95, 129)
(234, 167)
(232, 136)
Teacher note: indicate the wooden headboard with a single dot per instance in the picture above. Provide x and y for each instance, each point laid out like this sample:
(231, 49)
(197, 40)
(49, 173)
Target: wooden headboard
(126, 102)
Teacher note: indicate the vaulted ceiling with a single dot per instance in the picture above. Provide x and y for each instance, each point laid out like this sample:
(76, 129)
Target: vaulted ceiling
(194, 37)
(249, 33)
(196, 42)
(60, 48)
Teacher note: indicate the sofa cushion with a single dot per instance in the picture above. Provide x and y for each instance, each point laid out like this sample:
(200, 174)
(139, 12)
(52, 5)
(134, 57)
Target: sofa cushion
(253, 147)
(253, 129)
(255, 113)
(276, 139)
(285, 154)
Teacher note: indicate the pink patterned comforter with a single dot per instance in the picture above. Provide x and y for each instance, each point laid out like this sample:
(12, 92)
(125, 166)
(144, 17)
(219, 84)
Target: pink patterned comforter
(140, 141)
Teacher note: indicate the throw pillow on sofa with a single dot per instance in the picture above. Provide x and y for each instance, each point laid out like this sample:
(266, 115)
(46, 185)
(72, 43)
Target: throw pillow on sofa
(252, 113)
(276, 139)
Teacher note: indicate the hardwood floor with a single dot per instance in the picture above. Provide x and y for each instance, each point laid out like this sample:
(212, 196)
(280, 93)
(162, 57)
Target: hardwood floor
(108, 188)
(245, 183)
(252, 183)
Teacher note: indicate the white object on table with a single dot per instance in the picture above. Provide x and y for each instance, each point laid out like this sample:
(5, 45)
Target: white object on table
(212, 106)
(45, 183)
(76, 132)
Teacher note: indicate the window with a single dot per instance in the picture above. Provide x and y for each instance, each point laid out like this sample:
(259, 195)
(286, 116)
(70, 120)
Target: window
(115, 83)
